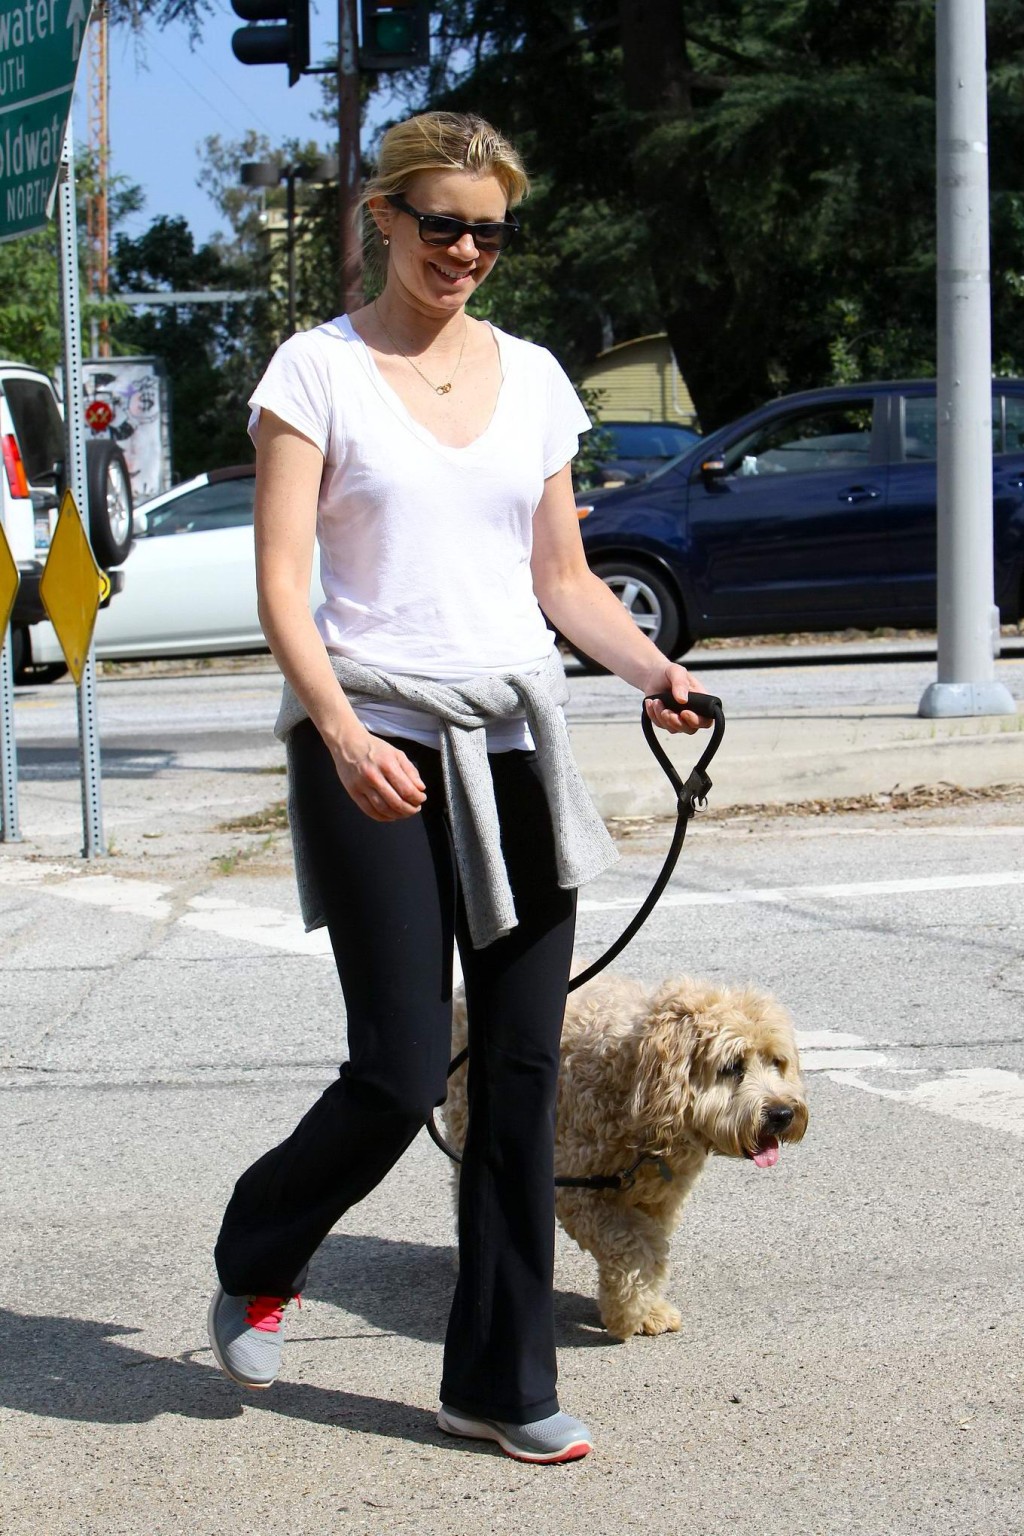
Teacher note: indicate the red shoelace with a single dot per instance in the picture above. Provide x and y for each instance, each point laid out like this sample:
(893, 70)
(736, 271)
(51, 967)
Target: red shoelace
(266, 1312)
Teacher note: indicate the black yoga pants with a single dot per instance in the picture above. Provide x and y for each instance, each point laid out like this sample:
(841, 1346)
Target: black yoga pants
(394, 912)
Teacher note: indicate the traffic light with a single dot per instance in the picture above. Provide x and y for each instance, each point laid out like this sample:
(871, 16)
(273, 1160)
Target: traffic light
(394, 34)
(280, 34)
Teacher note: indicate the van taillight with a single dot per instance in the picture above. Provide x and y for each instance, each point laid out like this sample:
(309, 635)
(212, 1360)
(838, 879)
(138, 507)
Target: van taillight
(16, 478)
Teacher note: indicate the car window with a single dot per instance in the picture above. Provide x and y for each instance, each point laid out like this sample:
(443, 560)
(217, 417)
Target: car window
(37, 425)
(648, 440)
(828, 437)
(920, 431)
(228, 504)
(1013, 423)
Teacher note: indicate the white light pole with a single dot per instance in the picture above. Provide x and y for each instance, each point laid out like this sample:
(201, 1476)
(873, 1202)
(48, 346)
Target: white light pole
(968, 618)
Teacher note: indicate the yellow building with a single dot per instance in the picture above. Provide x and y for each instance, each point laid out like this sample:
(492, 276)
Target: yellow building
(639, 381)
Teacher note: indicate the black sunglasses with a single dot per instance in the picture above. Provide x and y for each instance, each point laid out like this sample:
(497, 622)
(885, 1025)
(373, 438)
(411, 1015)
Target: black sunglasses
(441, 229)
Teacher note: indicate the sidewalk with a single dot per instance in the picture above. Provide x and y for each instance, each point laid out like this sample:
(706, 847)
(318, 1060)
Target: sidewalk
(825, 726)
(824, 751)
(816, 757)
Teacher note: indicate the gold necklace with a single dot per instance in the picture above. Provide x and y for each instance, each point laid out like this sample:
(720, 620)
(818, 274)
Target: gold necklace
(439, 389)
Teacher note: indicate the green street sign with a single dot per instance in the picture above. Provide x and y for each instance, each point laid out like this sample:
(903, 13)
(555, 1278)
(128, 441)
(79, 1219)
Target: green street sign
(40, 46)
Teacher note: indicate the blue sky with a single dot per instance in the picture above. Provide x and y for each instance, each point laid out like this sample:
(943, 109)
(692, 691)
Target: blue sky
(166, 98)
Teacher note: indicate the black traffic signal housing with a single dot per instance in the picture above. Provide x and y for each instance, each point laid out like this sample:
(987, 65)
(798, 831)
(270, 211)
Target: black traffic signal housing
(280, 34)
(394, 34)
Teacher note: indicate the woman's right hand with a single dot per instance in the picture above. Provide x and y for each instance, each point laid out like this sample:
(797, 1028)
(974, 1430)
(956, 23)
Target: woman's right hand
(379, 777)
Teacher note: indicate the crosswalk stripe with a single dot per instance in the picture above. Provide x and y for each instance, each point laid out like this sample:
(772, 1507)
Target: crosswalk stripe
(792, 893)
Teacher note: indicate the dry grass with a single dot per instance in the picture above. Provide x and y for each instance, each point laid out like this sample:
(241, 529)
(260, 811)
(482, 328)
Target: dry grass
(917, 797)
(273, 818)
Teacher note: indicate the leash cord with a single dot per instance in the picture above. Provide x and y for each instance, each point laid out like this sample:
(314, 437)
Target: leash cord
(689, 795)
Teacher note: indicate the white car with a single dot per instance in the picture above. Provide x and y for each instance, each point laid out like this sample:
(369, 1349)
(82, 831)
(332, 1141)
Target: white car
(190, 581)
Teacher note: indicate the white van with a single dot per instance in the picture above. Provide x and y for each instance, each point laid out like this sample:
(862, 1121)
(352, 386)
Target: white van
(31, 483)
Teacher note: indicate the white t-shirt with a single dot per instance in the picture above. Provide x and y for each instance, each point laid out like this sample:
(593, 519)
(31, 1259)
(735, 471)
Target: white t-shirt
(425, 549)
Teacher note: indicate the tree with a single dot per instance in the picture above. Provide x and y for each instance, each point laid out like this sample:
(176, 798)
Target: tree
(754, 176)
(30, 324)
(198, 344)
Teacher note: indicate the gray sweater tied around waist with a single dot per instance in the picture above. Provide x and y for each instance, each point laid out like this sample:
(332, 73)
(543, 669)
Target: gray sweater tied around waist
(583, 847)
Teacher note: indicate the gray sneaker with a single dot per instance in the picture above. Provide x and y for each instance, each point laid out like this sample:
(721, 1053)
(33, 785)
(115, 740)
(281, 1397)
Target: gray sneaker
(558, 1438)
(246, 1334)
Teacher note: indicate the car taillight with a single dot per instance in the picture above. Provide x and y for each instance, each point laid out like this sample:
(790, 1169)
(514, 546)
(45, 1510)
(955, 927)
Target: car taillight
(583, 511)
(16, 478)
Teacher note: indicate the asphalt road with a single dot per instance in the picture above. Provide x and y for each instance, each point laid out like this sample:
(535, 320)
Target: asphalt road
(212, 704)
(850, 1357)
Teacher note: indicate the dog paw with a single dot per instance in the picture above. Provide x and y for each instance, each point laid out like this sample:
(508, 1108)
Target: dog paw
(661, 1319)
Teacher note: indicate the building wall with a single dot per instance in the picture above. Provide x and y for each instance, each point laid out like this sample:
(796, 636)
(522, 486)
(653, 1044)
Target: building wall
(639, 381)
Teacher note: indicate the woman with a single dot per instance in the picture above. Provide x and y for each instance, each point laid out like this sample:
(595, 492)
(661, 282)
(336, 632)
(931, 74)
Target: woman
(433, 798)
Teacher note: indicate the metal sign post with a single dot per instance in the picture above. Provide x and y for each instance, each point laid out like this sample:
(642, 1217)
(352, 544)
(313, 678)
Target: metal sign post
(968, 618)
(74, 432)
(10, 831)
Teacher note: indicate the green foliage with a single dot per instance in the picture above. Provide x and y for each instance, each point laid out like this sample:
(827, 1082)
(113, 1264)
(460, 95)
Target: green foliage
(30, 324)
(29, 300)
(198, 343)
(215, 353)
(754, 176)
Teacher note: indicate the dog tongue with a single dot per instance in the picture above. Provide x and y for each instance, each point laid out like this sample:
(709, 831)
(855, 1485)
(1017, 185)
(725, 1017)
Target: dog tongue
(767, 1155)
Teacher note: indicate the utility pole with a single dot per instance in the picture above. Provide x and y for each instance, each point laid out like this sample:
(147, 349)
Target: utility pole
(96, 216)
(968, 617)
(350, 243)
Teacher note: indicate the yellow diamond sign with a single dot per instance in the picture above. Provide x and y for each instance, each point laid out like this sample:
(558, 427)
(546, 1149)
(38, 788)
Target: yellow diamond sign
(9, 583)
(70, 587)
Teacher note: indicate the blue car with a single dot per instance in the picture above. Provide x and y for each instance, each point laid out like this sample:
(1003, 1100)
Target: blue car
(638, 448)
(816, 512)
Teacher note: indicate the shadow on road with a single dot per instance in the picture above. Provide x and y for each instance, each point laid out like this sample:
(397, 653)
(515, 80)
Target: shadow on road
(58, 764)
(77, 1368)
(82, 1370)
(406, 1288)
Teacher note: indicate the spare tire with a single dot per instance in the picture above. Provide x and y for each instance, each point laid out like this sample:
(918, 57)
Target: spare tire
(110, 502)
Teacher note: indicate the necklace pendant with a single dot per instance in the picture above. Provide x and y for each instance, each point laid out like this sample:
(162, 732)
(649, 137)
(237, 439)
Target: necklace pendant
(442, 389)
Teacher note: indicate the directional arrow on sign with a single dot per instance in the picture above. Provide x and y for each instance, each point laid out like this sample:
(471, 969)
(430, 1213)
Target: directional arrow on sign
(76, 19)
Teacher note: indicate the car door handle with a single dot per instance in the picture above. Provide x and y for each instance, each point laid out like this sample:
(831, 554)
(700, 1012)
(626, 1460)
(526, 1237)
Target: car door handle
(854, 493)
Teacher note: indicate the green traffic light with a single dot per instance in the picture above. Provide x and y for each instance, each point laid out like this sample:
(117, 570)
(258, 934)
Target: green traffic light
(395, 33)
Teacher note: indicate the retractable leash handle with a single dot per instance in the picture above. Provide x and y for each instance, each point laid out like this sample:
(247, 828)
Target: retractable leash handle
(689, 796)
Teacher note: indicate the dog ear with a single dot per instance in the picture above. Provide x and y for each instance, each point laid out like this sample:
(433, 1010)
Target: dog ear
(663, 1089)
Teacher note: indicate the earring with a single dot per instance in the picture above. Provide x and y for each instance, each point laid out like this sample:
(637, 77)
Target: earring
(386, 241)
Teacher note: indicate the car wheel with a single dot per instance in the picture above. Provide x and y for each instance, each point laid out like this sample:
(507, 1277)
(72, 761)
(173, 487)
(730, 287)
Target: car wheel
(25, 671)
(19, 652)
(110, 503)
(648, 600)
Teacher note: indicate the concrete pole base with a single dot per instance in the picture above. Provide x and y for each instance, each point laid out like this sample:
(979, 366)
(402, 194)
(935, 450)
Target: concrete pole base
(943, 701)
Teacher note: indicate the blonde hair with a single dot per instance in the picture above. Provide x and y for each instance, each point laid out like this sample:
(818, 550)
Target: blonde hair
(440, 141)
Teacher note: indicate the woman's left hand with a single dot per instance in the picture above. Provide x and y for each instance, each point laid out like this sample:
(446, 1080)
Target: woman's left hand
(680, 684)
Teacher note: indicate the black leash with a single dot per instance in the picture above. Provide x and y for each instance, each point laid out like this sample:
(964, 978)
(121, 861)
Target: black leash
(689, 795)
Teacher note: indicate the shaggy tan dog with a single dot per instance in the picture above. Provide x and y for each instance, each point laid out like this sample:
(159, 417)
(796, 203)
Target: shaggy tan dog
(677, 1073)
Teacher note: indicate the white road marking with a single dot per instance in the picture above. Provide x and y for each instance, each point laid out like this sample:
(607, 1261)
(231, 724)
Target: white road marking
(887, 832)
(987, 1096)
(268, 926)
(135, 897)
(258, 925)
(984, 1096)
(782, 894)
(829, 1061)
